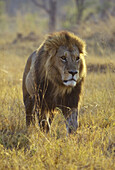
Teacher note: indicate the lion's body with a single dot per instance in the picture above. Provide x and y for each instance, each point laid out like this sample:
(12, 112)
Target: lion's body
(46, 80)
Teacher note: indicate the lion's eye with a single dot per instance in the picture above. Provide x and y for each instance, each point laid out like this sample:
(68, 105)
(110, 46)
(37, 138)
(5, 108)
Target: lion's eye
(63, 58)
(77, 58)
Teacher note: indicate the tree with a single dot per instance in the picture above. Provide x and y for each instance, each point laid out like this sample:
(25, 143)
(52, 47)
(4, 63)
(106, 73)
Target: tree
(105, 6)
(51, 11)
(80, 8)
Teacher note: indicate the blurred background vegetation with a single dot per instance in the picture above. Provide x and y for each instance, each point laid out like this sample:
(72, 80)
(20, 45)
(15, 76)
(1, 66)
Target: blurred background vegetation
(92, 20)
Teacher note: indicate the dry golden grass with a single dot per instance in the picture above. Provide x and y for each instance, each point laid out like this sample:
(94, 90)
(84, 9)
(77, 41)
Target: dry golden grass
(93, 145)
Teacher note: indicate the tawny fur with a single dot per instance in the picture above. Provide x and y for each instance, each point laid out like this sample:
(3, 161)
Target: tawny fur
(43, 89)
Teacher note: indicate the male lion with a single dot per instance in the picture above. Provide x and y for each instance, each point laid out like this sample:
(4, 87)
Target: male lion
(54, 77)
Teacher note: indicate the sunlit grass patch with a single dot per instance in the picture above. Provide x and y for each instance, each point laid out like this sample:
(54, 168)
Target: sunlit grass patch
(91, 147)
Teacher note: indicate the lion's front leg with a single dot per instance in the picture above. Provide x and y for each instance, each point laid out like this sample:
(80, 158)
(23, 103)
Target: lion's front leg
(72, 121)
(45, 120)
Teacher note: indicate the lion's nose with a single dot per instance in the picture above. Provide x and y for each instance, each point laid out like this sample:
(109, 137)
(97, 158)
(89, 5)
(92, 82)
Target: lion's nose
(73, 72)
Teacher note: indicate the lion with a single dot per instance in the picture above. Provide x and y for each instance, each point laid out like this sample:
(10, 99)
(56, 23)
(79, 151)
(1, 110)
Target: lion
(54, 78)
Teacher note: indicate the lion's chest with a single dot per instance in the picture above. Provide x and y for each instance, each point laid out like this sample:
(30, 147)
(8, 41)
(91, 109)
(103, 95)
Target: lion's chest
(48, 101)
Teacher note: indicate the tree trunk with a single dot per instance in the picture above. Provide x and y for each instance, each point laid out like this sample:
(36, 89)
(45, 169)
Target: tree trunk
(51, 11)
(80, 8)
(52, 15)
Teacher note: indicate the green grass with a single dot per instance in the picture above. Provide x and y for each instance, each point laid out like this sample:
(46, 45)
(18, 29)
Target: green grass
(93, 145)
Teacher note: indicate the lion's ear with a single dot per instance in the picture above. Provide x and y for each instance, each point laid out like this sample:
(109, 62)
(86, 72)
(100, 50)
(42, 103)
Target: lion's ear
(52, 52)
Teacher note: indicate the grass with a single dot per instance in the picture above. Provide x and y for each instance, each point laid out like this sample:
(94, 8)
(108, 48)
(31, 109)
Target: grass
(93, 145)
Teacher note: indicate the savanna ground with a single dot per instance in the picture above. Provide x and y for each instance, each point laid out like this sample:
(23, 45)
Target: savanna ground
(93, 145)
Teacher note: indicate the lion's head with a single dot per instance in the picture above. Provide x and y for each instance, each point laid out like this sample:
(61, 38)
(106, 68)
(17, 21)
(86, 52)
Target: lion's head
(65, 64)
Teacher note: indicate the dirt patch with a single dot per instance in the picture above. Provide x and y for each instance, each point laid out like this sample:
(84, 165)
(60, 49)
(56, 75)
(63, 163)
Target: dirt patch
(103, 68)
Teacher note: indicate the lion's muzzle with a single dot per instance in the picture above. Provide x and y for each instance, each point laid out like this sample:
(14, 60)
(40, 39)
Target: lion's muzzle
(72, 78)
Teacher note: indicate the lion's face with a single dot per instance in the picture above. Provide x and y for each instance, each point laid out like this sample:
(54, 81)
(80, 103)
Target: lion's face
(68, 62)
(64, 67)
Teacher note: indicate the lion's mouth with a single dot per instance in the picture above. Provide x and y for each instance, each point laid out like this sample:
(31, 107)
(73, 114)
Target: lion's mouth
(65, 81)
(71, 82)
